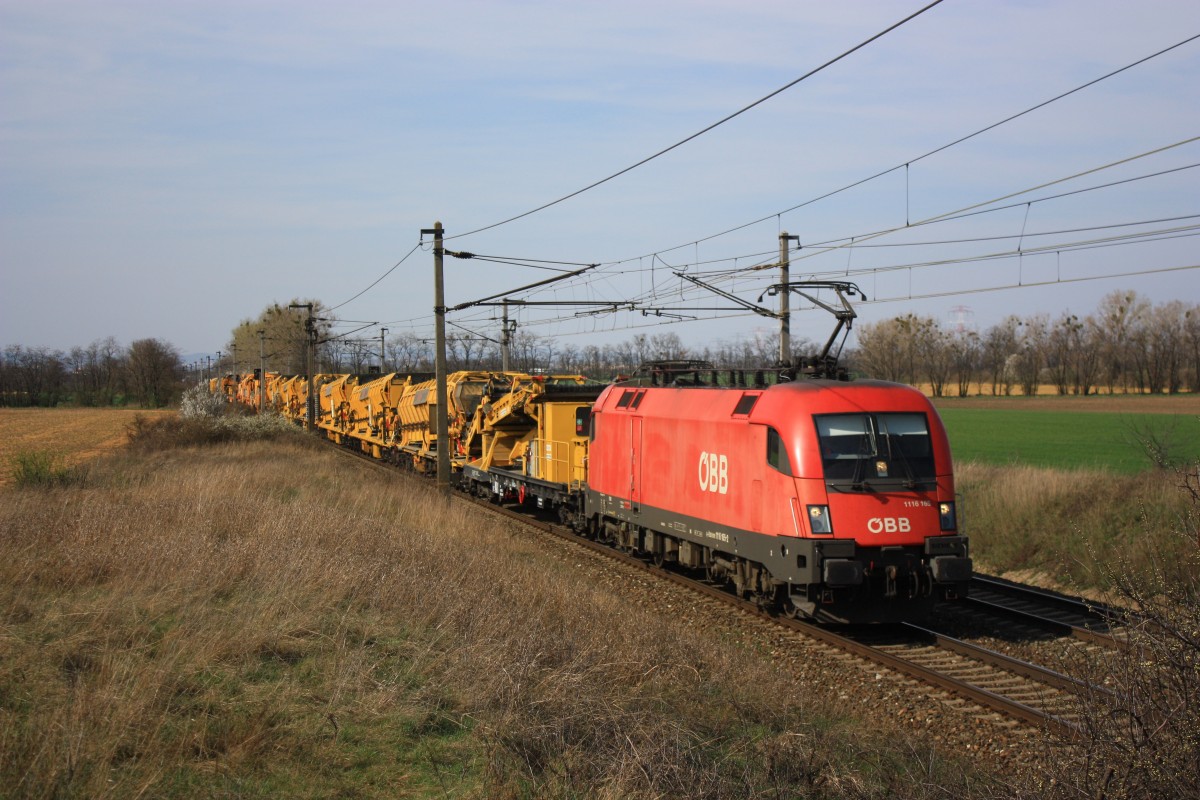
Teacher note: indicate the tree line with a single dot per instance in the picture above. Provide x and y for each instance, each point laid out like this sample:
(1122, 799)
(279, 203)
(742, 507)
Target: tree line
(284, 346)
(146, 373)
(1128, 344)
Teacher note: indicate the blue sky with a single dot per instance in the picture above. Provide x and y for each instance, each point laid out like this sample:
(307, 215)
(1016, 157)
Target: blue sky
(168, 169)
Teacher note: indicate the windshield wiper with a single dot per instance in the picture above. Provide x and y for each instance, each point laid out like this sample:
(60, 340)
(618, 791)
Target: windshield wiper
(858, 480)
(897, 454)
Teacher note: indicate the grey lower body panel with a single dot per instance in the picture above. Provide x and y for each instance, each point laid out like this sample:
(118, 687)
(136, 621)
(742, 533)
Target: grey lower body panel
(837, 563)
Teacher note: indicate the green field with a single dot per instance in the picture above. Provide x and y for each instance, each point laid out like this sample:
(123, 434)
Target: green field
(1068, 439)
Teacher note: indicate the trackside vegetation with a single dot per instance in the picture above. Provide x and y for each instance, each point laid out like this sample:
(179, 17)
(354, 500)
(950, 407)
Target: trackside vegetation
(225, 608)
(260, 618)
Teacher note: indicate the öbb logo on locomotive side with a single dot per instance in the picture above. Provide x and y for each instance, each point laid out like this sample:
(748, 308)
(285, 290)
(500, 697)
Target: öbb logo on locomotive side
(714, 473)
(889, 525)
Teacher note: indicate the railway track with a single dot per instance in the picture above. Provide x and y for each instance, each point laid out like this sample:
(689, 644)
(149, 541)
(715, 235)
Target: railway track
(1058, 614)
(1016, 689)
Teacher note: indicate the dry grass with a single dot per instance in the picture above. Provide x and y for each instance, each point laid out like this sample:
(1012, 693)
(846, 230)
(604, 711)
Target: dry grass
(265, 620)
(1071, 526)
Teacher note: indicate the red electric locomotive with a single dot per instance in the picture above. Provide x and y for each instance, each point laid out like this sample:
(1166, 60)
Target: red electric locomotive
(832, 499)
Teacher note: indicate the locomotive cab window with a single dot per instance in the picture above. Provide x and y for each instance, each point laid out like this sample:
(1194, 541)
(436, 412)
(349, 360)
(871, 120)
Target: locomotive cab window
(777, 455)
(876, 448)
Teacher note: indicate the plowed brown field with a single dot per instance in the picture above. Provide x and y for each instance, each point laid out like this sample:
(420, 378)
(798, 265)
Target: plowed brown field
(78, 434)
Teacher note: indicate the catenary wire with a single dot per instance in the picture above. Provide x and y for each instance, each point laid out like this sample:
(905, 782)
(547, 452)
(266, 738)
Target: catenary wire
(936, 150)
(377, 280)
(699, 133)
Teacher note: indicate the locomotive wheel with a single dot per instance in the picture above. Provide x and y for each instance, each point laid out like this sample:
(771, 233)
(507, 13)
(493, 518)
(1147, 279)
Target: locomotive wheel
(792, 611)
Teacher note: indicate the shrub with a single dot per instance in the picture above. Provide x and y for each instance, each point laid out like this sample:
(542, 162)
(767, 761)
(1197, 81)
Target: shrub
(32, 468)
(162, 433)
(199, 403)
(1144, 740)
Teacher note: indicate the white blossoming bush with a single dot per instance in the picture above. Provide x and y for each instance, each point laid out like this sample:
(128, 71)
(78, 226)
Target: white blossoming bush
(206, 419)
(266, 425)
(199, 403)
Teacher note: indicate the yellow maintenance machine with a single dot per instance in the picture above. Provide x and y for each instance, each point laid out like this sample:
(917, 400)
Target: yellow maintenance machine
(293, 395)
(272, 393)
(334, 415)
(532, 440)
(373, 418)
(244, 394)
(229, 386)
(418, 415)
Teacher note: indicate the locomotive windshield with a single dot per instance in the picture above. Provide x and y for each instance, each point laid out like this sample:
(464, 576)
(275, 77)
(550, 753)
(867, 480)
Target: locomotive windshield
(874, 449)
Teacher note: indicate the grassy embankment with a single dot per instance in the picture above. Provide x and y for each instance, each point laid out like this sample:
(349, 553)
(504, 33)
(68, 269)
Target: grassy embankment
(1069, 487)
(265, 619)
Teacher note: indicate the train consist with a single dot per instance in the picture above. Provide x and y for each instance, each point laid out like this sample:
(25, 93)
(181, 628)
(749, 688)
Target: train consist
(822, 498)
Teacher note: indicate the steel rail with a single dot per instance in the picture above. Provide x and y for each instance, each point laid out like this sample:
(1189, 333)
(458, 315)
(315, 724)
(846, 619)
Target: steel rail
(1077, 605)
(983, 697)
(1054, 600)
(1009, 664)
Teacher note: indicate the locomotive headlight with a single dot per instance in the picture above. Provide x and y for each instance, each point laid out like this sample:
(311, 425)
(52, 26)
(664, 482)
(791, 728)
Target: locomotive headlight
(946, 515)
(818, 519)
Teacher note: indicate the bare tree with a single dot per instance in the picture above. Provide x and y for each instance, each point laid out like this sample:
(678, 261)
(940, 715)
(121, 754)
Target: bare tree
(33, 376)
(999, 345)
(410, 353)
(153, 372)
(1119, 317)
(664, 346)
(881, 351)
(1163, 347)
(1064, 346)
(1191, 338)
(1031, 352)
(965, 351)
(933, 352)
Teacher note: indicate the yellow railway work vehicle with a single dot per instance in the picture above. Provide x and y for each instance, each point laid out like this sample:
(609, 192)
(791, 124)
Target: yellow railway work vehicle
(418, 414)
(334, 414)
(533, 441)
(373, 418)
(291, 397)
(245, 388)
(229, 387)
(272, 397)
(295, 396)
